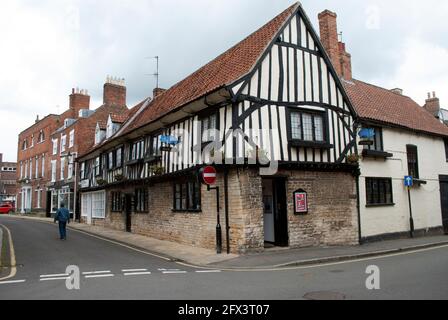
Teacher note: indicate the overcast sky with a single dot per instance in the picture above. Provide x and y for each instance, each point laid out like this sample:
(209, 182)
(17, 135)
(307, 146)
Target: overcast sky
(51, 46)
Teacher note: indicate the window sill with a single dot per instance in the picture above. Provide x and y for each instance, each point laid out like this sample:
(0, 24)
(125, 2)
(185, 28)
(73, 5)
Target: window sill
(376, 154)
(186, 211)
(380, 205)
(132, 162)
(310, 144)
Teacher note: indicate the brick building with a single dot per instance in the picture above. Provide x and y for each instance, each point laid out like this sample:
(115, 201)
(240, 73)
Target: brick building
(47, 150)
(77, 136)
(7, 180)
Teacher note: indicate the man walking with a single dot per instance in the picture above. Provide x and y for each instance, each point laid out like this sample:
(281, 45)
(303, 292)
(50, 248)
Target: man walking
(63, 217)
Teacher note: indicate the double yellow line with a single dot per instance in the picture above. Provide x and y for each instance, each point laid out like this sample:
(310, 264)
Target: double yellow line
(12, 260)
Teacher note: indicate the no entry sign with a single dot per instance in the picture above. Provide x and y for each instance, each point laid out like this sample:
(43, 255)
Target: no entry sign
(209, 175)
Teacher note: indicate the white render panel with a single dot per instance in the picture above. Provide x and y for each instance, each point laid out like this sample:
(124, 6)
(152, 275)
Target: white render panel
(426, 203)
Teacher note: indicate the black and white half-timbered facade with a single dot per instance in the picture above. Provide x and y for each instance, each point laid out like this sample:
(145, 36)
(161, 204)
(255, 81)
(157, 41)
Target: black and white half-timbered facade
(272, 116)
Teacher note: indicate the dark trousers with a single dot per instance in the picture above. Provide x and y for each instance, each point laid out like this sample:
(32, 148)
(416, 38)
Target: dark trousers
(63, 229)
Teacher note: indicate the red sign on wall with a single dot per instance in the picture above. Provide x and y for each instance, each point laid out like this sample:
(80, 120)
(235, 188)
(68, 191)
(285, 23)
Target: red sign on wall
(209, 175)
(300, 202)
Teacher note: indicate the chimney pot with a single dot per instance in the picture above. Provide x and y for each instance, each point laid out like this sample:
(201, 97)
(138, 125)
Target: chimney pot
(432, 104)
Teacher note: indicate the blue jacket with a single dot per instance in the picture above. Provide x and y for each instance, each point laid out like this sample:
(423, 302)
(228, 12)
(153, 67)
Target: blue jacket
(62, 215)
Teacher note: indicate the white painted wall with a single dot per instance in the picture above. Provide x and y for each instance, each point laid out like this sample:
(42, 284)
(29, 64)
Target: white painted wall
(426, 204)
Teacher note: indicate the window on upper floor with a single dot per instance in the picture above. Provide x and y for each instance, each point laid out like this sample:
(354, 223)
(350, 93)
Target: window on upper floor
(377, 140)
(25, 145)
(379, 191)
(111, 160)
(41, 137)
(138, 150)
(82, 171)
(412, 154)
(209, 127)
(155, 150)
(446, 149)
(55, 147)
(43, 166)
(63, 143)
(309, 127)
(32, 141)
(71, 142)
(53, 171)
(97, 168)
(62, 176)
(119, 157)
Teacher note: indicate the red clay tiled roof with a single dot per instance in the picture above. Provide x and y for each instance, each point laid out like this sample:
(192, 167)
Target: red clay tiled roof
(119, 118)
(224, 70)
(378, 104)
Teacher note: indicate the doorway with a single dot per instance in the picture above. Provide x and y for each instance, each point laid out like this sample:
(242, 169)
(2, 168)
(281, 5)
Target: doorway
(128, 212)
(275, 212)
(444, 201)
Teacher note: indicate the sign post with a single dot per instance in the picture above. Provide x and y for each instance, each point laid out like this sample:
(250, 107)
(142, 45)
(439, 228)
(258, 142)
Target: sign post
(409, 183)
(208, 177)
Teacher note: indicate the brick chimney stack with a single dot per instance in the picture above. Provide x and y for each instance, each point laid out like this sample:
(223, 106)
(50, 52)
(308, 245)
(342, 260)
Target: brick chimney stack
(432, 104)
(341, 59)
(79, 99)
(114, 92)
(157, 91)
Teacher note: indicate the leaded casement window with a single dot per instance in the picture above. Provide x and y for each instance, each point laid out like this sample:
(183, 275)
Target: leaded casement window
(209, 127)
(307, 126)
(116, 202)
(97, 168)
(379, 191)
(141, 200)
(187, 196)
(155, 150)
(412, 154)
(377, 140)
(138, 150)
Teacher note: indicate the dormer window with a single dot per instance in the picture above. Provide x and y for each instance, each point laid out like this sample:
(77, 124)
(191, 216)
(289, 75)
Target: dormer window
(99, 134)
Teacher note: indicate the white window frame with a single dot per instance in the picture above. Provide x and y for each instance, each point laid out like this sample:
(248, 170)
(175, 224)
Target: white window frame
(43, 166)
(37, 168)
(53, 170)
(72, 139)
(26, 169)
(70, 167)
(55, 146)
(63, 142)
(62, 172)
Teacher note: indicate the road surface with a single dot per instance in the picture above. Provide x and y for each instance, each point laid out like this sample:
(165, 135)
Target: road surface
(111, 271)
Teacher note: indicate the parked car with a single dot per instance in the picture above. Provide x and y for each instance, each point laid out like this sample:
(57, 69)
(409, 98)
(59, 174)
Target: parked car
(6, 209)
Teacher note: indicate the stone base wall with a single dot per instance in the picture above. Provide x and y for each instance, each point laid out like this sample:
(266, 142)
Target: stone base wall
(332, 217)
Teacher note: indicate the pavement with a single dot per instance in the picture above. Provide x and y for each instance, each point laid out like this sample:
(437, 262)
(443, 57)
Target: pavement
(269, 259)
(113, 270)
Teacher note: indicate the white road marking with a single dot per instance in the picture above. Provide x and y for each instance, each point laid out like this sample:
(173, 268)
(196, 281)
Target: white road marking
(137, 273)
(54, 275)
(12, 282)
(100, 276)
(168, 269)
(134, 270)
(95, 272)
(174, 272)
(208, 271)
(54, 279)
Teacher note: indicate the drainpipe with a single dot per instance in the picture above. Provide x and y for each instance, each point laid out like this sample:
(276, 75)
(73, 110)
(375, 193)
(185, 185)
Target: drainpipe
(226, 203)
(358, 206)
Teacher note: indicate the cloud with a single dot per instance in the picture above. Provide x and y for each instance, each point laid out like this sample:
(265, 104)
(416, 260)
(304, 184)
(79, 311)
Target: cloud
(51, 46)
